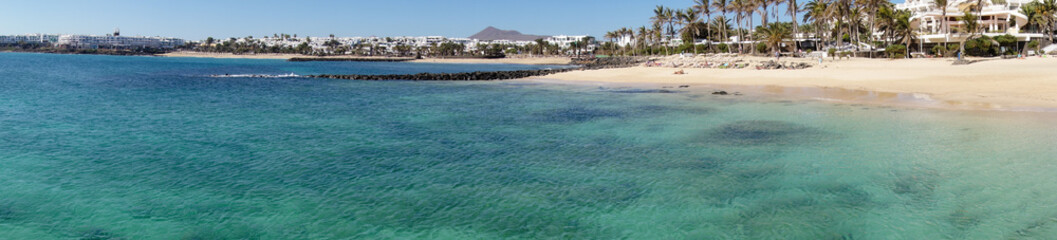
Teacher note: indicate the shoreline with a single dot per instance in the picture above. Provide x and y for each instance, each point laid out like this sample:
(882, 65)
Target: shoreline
(1003, 85)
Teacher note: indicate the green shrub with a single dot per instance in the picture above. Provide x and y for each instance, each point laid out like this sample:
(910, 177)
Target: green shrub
(1033, 45)
(1009, 42)
(981, 47)
(761, 48)
(938, 50)
(832, 52)
(896, 51)
(722, 47)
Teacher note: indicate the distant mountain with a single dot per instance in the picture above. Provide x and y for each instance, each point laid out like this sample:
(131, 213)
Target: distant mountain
(492, 33)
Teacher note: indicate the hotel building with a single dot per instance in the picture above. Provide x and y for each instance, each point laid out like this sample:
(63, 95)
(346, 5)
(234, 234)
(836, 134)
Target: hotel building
(117, 42)
(29, 38)
(996, 18)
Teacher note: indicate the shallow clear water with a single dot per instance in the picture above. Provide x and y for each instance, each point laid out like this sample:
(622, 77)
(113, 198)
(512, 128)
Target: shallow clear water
(103, 147)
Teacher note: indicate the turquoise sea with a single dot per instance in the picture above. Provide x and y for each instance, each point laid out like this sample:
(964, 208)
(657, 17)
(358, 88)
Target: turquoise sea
(109, 147)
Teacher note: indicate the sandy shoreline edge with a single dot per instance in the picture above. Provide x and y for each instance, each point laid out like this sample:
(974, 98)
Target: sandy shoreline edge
(993, 84)
(1012, 84)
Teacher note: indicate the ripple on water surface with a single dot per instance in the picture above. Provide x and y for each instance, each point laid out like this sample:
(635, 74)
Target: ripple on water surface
(96, 150)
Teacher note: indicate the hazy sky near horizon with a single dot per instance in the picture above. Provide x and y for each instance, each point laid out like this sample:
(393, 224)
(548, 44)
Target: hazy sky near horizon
(198, 19)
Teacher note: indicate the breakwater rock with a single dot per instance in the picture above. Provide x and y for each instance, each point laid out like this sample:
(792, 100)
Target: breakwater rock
(769, 65)
(609, 62)
(583, 64)
(464, 76)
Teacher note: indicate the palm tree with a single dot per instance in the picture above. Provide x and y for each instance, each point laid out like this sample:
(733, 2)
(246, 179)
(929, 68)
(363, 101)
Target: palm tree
(776, 11)
(773, 35)
(643, 35)
(855, 21)
(586, 43)
(610, 37)
(1048, 9)
(721, 22)
(658, 36)
(903, 29)
(750, 9)
(836, 12)
(541, 44)
(691, 21)
(662, 16)
(659, 17)
(942, 5)
(816, 14)
(793, 9)
(970, 25)
(702, 6)
(886, 22)
(628, 33)
(763, 10)
(1029, 10)
(721, 6)
(871, 7)
(737, 6)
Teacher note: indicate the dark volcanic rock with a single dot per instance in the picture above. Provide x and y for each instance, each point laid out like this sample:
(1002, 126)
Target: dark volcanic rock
(467, 76)
(594, 63)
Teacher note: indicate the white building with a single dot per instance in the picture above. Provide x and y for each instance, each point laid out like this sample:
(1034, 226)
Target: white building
(626, 40)
(996, 19)
(564, 41)
(117, 42)
(390, 45)
(29, 38)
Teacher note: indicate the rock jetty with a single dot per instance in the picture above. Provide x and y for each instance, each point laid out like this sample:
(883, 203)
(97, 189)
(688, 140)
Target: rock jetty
(463, 76)
(584, 64)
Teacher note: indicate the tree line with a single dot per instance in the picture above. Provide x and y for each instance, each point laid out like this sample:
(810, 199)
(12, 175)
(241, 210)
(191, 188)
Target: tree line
(727, 26)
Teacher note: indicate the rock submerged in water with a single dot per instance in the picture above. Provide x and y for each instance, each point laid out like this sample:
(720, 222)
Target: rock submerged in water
(761, 132)
(720, 93)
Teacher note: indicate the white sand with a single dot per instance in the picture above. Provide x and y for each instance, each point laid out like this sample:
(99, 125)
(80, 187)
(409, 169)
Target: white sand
(993, 84)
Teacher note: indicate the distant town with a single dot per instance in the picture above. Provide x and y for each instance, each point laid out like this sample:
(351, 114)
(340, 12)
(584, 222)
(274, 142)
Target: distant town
(492, 42)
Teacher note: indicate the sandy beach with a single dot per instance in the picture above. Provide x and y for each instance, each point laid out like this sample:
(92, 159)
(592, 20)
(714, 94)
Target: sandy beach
(1029, 83)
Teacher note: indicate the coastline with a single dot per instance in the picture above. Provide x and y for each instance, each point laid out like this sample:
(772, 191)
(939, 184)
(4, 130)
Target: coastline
(1014, 84)
(282, 56)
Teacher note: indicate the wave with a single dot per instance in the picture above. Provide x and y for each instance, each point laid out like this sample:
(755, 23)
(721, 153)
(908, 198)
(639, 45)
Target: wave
(288, 75)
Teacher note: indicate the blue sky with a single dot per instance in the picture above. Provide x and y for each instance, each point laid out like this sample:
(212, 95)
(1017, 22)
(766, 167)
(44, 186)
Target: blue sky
(198, 19)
